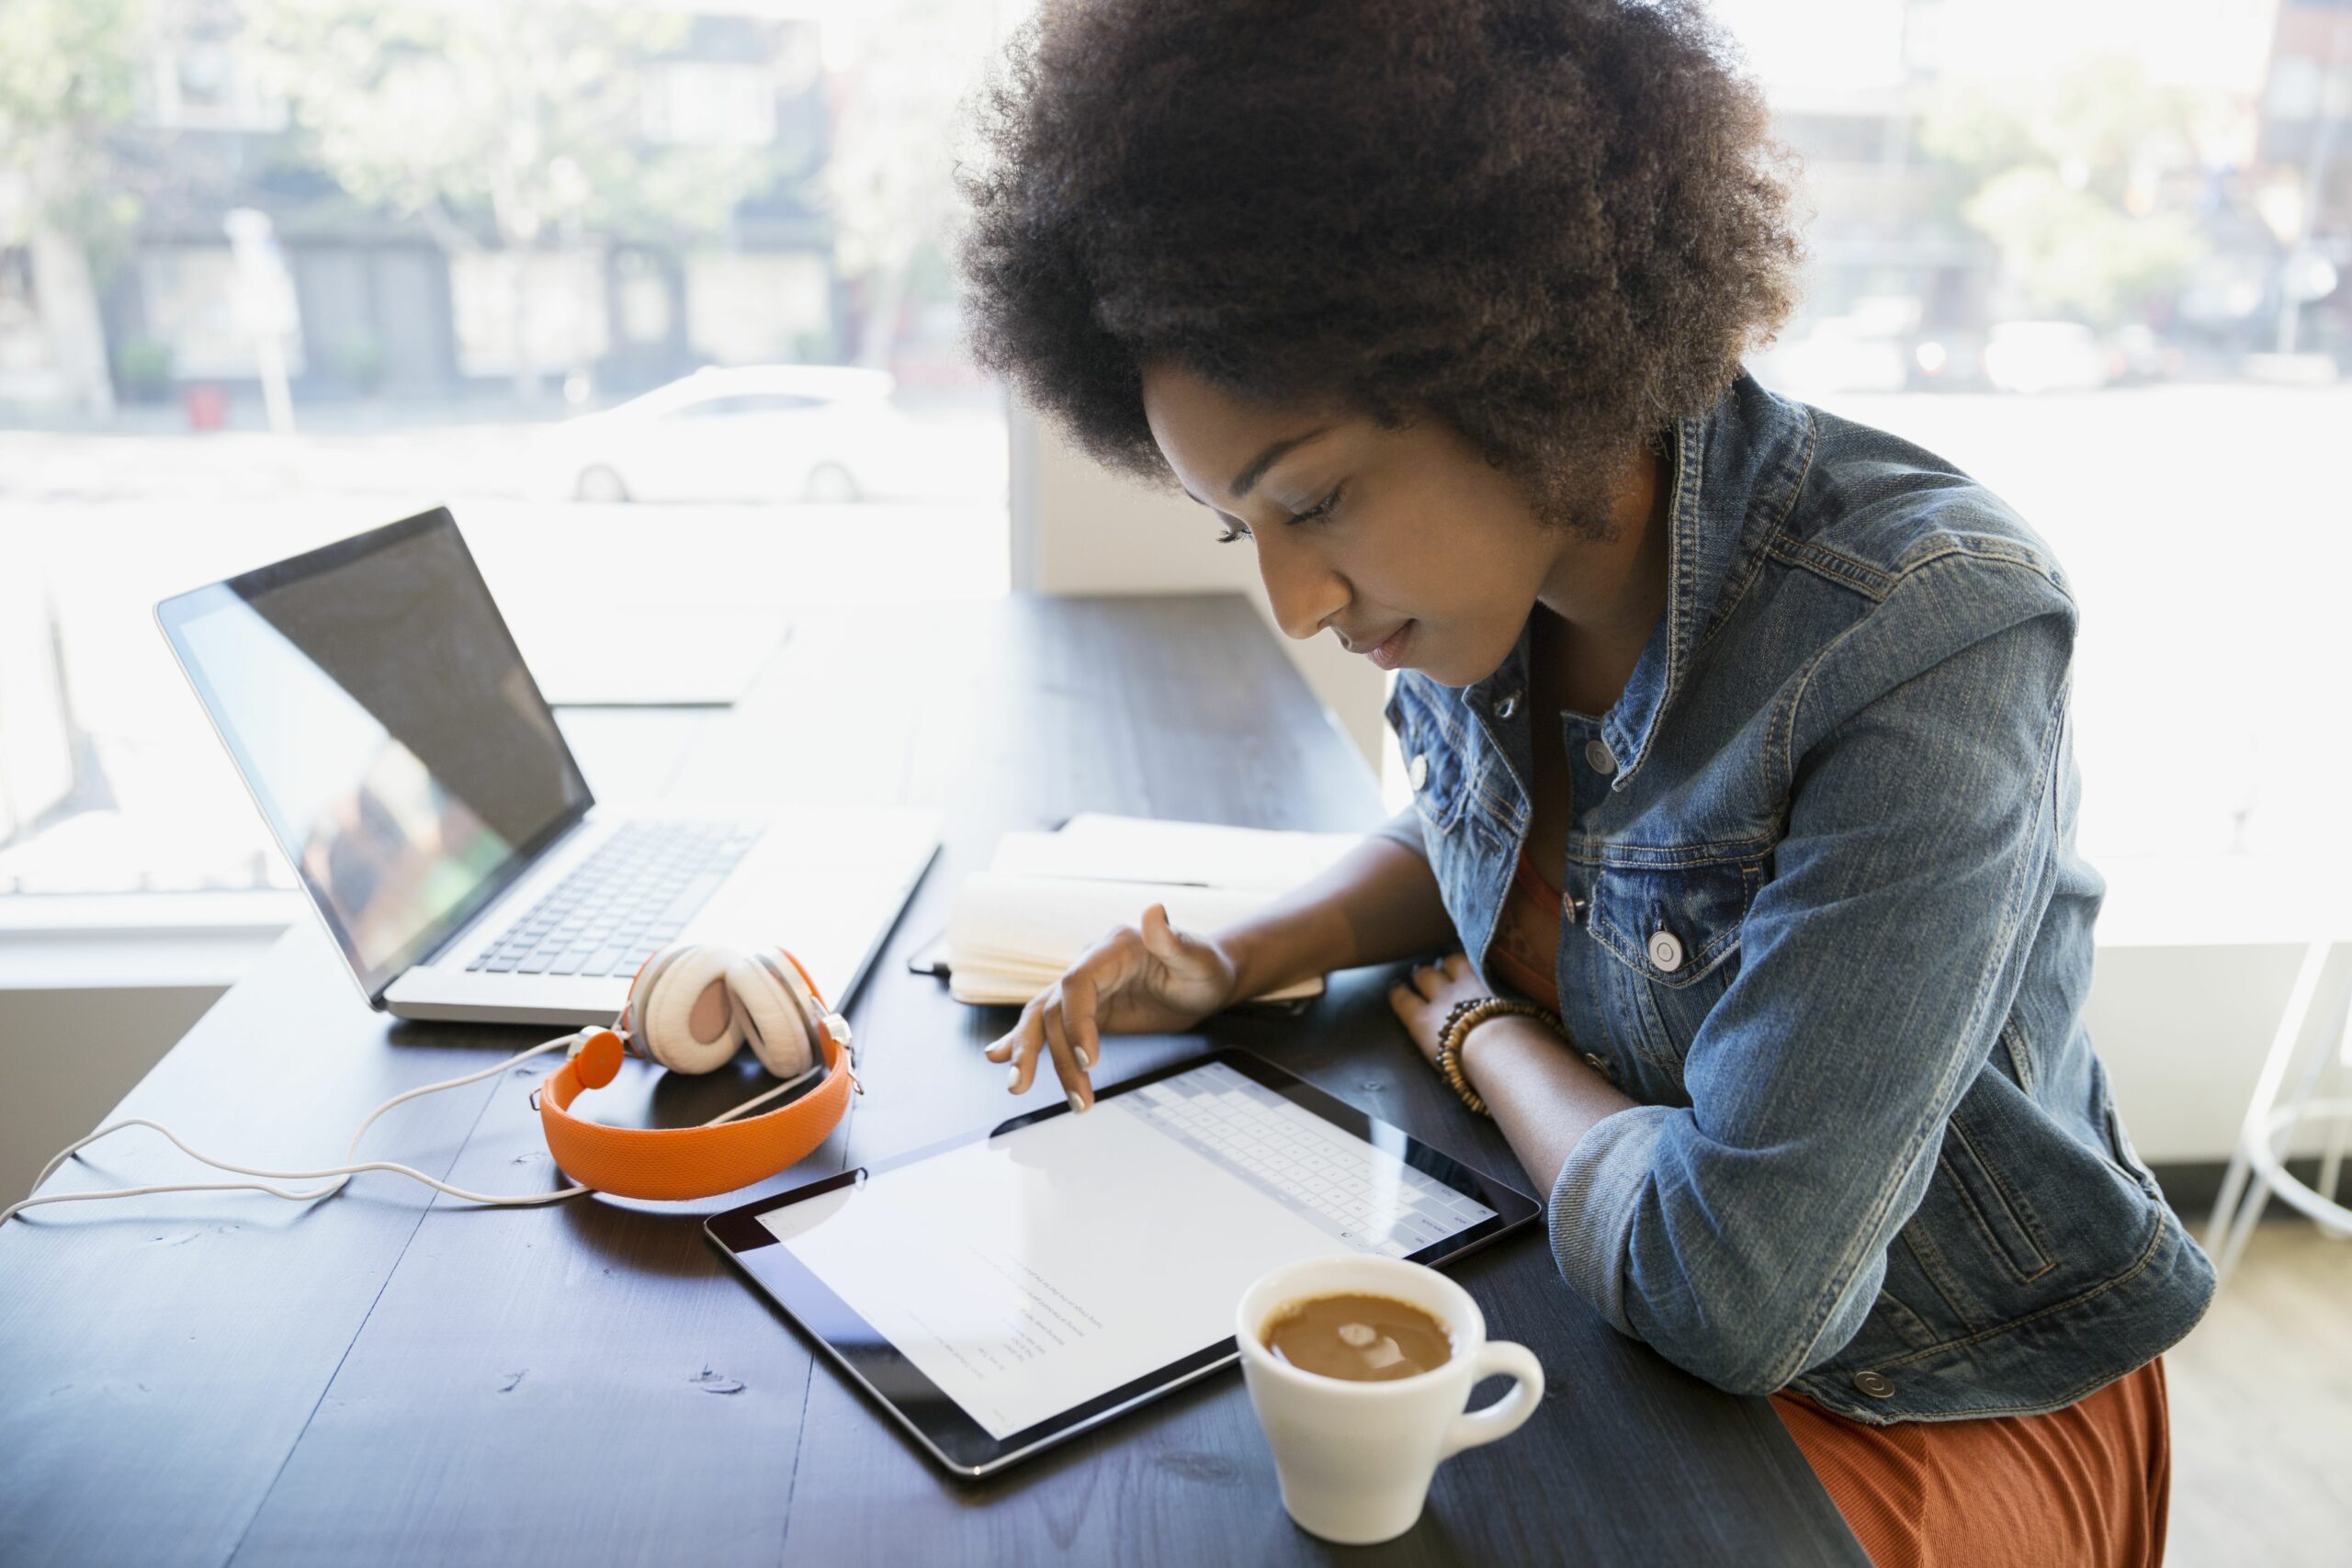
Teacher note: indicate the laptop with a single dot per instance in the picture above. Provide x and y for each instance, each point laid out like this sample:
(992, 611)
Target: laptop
(407, 763)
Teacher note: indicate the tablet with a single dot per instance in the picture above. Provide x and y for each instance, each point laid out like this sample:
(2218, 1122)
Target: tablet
(1005, 1290)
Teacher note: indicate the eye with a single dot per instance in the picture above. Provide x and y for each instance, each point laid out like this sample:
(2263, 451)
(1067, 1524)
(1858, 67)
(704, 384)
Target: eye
(1237, 532)
(1321, 509)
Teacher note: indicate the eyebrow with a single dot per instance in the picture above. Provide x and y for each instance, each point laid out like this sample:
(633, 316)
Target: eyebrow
(1247, 479)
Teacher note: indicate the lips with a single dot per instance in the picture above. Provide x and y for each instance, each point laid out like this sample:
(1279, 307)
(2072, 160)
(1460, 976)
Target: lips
(1389, 651)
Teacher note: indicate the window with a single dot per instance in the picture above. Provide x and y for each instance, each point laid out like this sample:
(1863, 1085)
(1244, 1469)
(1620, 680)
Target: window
(303, 268)
(2104, 274)
(2107, 274)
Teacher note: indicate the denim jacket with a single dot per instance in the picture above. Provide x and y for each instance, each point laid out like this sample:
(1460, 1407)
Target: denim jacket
(1825, 923)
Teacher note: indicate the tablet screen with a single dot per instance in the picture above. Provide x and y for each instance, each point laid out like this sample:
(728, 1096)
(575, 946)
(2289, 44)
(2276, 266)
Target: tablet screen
(1030, 1271)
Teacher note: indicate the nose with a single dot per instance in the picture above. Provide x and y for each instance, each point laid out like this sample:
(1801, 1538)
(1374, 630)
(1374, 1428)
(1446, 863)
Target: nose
(1304, 591)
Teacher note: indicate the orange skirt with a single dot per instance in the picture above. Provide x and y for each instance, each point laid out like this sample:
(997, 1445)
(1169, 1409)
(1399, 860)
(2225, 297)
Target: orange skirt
(2086, 1486)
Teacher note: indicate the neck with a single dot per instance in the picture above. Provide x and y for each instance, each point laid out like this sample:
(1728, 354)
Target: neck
(1606, 592)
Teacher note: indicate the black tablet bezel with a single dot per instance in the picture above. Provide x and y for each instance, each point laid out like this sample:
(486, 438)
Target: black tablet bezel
(936, 1421)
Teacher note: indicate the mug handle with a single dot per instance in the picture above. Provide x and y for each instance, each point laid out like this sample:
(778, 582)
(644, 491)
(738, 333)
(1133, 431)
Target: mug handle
(1508, 1413)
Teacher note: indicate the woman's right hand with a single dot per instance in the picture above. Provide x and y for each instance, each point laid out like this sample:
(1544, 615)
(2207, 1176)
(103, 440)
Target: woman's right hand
(1151, 978)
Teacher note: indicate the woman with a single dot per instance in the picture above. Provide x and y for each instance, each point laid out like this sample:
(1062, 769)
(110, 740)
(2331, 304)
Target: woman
(1739, 733)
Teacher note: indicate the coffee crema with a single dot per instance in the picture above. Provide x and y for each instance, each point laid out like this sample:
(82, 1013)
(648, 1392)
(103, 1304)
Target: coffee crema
(1359, 1338)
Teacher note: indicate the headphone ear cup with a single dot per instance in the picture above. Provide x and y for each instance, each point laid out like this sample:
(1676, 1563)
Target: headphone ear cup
(778, 1027)
(686, 1019)
(640, 997)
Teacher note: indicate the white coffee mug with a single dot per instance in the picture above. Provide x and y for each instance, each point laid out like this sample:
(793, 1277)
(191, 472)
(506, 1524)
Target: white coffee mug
(1355, 1459)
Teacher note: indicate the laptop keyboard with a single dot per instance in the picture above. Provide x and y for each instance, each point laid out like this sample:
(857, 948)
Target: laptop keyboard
(622, 903)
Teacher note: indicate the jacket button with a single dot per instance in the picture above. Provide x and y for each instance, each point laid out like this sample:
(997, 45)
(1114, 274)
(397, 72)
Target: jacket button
(1508, 707)
(1876, 1384)
(1665, 951)
(1420, 769)
(1595, 755)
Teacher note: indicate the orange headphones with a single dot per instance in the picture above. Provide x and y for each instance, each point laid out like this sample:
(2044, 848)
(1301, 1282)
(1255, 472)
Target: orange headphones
(690, 1008)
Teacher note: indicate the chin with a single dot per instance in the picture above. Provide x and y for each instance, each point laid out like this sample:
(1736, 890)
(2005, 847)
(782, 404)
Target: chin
(1455, 679)
(1451, 669)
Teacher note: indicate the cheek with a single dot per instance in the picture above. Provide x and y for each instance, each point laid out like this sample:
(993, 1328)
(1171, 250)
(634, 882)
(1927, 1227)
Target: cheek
(1469, 590)
(1466, 649)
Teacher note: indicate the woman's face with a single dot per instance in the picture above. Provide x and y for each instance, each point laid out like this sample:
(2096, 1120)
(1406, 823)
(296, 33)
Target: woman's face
(1407, 543)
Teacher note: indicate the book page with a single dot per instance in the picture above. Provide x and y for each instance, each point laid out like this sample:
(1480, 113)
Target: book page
(1100, 847)
(1009, 929)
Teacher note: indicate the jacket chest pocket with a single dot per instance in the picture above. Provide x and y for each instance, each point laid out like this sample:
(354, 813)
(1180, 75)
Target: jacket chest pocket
(1672, 926)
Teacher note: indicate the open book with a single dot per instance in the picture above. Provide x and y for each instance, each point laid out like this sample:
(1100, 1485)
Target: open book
(1049, 897)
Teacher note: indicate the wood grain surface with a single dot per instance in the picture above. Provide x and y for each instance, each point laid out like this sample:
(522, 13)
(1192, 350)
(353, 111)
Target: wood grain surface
(388, 1377)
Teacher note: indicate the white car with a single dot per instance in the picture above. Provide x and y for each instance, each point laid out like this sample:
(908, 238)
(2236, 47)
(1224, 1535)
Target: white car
(2044, 357)
(1835, 353)
(824, 432)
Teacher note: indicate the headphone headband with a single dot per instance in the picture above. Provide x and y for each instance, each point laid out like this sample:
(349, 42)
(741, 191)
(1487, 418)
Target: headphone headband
(688, 1162)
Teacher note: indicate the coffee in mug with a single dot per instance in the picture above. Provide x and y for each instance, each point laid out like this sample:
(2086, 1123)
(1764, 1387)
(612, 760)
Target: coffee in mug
(1364, 1338)
(1356, 1442)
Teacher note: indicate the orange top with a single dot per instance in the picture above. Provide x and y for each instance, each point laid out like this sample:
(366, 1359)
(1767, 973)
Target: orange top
(2086, 1486)
(1527, 938)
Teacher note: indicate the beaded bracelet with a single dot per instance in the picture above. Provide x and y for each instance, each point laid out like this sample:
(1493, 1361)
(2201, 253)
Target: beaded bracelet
(1467, 1016)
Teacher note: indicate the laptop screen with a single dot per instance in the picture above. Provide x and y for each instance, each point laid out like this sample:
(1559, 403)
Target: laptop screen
(371, 696)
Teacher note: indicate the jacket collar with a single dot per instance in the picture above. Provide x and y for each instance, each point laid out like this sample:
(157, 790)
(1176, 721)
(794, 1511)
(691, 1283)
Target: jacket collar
(1738, 468)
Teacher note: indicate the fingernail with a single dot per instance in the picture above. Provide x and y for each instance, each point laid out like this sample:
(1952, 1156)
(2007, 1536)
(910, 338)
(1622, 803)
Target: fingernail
(1083, 1059)
(1075, 1103)
(1013, 1078)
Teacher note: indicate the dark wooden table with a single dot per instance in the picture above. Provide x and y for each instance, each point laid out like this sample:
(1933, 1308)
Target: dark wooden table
(205, 1378)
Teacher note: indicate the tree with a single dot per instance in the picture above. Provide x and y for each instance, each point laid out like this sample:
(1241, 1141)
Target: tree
(2067, 173)
(889, 183)
(69, 82)
(521, 123)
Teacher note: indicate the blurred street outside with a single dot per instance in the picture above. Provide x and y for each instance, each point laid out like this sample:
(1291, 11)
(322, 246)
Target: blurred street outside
(2210, 593)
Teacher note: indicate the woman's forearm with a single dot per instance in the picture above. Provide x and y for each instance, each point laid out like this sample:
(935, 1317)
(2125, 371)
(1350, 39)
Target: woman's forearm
(1544, 1097)
(1379, 903)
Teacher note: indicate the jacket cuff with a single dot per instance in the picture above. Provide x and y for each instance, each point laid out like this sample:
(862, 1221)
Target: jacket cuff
(1591, 1211)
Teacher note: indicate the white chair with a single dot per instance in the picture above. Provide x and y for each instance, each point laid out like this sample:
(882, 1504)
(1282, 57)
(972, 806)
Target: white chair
(2258, 1167)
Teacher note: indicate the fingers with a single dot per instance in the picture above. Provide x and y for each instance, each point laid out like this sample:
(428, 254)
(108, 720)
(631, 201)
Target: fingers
(1009, 1041)
(1428, 979)
(1079, 1093)
(1058, 1021)
(1065, 1021)
(1021, 1045)
(1413, 1010)
(1159, 936)
(1079, 995)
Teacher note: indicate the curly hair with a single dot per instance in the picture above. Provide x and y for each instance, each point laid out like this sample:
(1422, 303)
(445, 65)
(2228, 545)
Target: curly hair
(1555, 225)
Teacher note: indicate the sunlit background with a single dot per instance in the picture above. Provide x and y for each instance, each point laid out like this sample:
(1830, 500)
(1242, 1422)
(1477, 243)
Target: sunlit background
(671, 284)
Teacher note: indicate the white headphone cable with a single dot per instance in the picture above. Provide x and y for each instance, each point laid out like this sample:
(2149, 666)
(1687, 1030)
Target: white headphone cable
(341, 1174)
